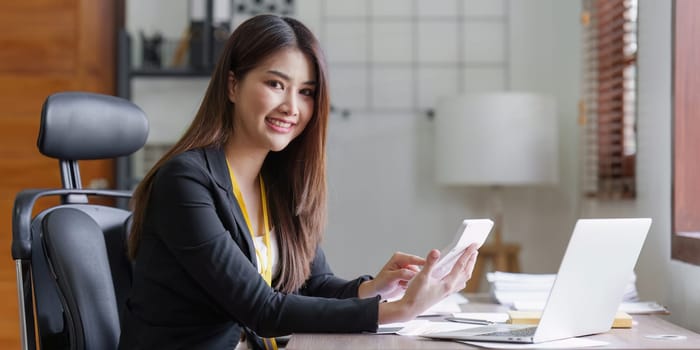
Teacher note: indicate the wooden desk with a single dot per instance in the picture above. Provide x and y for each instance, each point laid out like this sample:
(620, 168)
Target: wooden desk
(634, 338)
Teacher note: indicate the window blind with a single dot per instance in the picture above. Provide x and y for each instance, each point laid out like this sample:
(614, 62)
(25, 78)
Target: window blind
(609, 97)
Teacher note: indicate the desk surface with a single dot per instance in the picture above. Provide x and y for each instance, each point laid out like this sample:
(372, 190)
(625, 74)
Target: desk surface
(634, 338)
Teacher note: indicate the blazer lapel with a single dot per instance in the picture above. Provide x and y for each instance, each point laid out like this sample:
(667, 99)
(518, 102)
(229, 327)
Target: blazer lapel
(216, 160)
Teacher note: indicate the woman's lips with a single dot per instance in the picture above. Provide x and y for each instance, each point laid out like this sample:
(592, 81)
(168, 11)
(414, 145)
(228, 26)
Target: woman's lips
(279, 125)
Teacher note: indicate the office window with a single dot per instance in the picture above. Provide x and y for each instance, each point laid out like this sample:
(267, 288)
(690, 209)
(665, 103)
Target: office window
(685, 241)
(608, 105)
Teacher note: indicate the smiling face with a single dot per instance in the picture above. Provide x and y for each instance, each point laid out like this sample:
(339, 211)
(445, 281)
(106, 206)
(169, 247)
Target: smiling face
(274, 101)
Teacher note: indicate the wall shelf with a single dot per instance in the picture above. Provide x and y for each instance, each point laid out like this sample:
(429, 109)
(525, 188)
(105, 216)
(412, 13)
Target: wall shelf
(124, 176)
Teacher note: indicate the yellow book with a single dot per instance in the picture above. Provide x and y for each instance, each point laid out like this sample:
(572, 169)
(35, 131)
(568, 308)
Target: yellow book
(622, 319)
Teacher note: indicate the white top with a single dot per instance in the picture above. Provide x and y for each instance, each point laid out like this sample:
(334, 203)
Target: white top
(260, 247)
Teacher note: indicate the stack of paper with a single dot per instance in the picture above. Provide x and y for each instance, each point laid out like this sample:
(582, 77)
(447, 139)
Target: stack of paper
(507, 288)
(643, 307)
(530, 291)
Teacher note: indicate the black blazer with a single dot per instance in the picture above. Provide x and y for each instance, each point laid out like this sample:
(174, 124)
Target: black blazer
(195, 278)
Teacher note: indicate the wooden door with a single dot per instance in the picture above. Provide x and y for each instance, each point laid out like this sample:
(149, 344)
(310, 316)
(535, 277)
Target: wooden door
(46, 46)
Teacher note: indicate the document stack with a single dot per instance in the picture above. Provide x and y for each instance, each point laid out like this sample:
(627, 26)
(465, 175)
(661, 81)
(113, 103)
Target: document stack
(530, 291)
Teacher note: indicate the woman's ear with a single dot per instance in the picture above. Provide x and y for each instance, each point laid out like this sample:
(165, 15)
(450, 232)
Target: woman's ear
(231, 87)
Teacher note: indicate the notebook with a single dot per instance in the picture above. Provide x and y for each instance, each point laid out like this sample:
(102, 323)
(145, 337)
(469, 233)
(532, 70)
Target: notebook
(588, 288)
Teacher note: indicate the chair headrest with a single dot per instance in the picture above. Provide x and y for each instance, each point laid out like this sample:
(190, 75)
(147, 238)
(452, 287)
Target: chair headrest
(81, 125)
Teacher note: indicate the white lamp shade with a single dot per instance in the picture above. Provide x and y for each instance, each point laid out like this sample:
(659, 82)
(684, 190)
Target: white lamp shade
(496, 139)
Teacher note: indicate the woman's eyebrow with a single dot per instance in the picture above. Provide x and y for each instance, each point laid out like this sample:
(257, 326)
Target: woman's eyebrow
(287, 78)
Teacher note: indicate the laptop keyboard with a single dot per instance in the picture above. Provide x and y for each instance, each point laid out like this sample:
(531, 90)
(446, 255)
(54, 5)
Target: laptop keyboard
(520, 332)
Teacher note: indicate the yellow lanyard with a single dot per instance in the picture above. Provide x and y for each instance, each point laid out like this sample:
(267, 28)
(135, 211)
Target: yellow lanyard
(265, 264)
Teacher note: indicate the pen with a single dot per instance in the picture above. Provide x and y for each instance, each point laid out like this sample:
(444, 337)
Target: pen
(469, 320)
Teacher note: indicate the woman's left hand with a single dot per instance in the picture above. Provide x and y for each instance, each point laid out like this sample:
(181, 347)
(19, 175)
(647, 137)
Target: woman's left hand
(391, 281)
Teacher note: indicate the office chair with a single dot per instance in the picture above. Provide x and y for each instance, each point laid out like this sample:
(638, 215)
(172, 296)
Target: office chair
(72, 269)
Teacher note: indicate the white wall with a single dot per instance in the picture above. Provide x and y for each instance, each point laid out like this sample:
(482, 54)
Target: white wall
(545, 57)
(383, 195)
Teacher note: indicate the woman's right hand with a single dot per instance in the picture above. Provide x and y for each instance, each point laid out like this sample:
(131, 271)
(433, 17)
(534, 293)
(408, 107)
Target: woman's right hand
(425, 290)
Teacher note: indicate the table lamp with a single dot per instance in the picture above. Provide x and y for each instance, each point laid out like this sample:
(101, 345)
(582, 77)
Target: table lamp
(496, 140)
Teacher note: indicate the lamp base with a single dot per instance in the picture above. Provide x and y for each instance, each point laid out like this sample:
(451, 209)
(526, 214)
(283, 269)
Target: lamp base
(501, 256)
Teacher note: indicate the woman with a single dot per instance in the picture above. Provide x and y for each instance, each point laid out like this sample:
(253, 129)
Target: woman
(227, 224)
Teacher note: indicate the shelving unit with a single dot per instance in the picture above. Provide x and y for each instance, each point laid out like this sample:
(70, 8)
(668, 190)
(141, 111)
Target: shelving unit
(205, 46)
(126, 72)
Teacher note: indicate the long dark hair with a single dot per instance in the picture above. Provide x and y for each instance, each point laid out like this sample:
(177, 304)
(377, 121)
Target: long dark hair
(296, 176)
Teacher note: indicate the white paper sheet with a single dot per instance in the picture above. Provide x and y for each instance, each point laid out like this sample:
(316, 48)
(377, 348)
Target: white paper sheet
(642, 307)
(556, 344)
(392, 328)
(421, 327)
(416, 328)
(499, 317)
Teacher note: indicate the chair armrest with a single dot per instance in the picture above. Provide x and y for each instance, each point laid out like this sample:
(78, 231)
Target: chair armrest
(22, 214)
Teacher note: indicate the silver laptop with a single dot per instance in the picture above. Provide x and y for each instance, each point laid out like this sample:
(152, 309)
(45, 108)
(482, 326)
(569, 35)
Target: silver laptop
(588, 289)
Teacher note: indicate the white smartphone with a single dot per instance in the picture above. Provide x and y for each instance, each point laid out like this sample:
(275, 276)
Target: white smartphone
(471, 231)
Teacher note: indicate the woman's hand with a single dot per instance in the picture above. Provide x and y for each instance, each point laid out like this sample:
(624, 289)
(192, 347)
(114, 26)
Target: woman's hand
(425, 290)
(393, 278)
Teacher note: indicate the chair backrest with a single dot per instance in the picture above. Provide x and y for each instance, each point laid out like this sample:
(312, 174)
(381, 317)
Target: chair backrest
(72, 267)
(77, 258)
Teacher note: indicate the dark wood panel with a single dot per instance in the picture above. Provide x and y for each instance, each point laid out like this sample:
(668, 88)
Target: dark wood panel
(97, 48)
(21, 96)
(29, 171)
(22, 134)
(47, 46)
(37, 5)
(39, 41)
